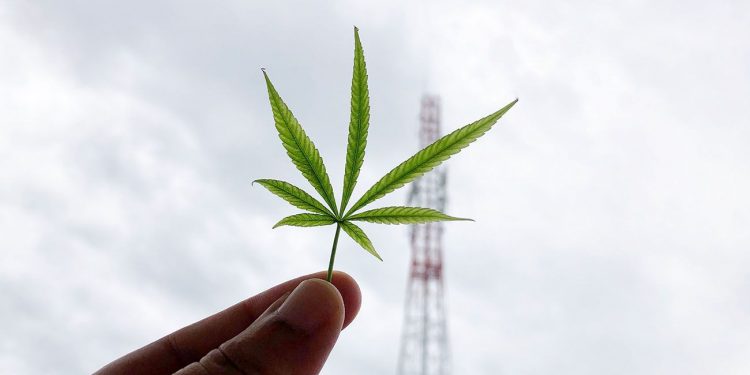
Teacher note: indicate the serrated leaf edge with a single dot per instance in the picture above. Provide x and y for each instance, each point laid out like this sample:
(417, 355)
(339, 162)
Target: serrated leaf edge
(319, 179)
(359, 122)
(409, 170)
(306, 201)
(394, 215)
(311, 220)
(358, 235)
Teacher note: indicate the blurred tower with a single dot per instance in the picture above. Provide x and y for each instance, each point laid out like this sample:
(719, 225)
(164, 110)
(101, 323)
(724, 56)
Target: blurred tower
(424, 341)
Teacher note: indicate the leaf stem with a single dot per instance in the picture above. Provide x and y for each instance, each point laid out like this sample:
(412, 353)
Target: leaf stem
(333, 252)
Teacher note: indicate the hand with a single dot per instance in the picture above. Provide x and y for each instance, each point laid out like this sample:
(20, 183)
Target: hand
(288, 329)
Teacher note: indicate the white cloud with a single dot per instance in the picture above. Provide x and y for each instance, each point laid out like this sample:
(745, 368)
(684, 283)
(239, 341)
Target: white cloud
(611, 216)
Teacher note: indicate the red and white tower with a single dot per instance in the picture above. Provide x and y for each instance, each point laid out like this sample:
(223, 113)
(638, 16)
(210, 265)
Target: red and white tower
(424, 341)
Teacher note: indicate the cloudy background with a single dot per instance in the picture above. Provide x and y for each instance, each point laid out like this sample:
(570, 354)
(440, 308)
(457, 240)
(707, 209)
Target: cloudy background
(611, 203)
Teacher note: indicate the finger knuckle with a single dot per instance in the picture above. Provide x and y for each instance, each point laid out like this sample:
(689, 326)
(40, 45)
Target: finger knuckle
(217, 362)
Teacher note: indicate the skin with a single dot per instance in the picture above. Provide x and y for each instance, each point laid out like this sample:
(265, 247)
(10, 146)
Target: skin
(288, 329)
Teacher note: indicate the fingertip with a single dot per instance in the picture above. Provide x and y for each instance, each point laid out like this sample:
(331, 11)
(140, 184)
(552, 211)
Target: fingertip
(313, 302)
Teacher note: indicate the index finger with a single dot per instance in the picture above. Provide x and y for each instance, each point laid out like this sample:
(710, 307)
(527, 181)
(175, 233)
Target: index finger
(191, 343)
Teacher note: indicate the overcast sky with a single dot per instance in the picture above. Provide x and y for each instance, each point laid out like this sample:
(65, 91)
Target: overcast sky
(611, 203)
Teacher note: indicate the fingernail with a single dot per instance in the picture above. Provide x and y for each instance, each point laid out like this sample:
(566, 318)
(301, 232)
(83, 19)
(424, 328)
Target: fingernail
(274, 306)
(313, 303)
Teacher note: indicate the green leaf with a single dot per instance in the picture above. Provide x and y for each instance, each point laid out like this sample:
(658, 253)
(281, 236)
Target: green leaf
(299, 147)
(359, 236)
(294, 195)
(429, 158)
(359, 122)
(306, 220)
(403, 215)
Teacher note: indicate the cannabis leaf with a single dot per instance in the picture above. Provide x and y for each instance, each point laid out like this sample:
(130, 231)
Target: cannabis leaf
(359, 123)
(294, 195)
(429, 158)
(358, 235)
(306, 220)
(403, 215)
(299, 147)
(308, 161)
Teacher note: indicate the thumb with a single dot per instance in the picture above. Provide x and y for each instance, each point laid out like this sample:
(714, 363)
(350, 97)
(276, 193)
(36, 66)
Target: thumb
(294, 336)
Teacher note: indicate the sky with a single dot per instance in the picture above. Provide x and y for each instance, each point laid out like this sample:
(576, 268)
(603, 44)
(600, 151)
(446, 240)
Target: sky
(611, 202)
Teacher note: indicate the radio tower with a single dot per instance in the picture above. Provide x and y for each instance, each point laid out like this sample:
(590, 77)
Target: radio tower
(424, 341)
